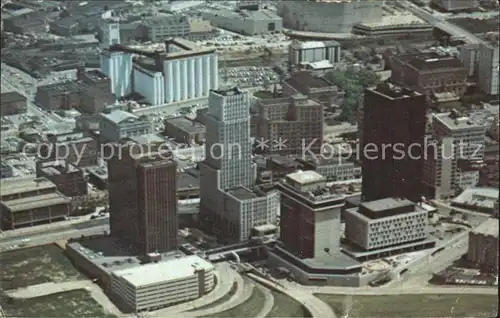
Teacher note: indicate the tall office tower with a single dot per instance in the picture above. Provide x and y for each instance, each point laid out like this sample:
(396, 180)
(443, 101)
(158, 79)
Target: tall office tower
(454, 158)
(488, 65)
(230, 207)
(143, 199)
(310, 232)
(310, 215)
(393, 139)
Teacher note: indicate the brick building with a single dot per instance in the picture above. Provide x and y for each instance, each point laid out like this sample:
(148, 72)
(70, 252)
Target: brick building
(429, 73)
(68, 178)
(314, 87)
(12, 103)
(290, 124)
(76, 148)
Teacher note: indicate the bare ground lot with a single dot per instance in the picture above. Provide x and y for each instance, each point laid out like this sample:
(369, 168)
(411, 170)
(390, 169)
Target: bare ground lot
(411, 306)
(36, 265)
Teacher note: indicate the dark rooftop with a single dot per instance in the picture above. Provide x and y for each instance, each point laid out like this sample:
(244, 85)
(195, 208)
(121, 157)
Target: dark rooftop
(433, 61)
(301, 81)
(228, 92)
(10, 97)
(242, 193)
(186, 181)
(63, 88)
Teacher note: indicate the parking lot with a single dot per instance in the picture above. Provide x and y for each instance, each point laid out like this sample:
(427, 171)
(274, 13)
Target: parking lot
(248, 76)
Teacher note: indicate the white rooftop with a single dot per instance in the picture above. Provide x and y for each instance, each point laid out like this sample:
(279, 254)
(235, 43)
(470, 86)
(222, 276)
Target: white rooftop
(118, 116)
(489, 227)
(162, 271)
(304, 177)
(477, 197)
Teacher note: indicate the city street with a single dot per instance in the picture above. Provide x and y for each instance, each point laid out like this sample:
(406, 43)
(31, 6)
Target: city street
(440, 22)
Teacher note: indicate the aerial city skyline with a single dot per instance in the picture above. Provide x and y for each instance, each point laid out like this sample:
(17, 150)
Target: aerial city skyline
(249, 159)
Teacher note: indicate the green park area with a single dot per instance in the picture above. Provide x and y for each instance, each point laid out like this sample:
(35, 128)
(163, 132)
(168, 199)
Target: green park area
(36, 265)
(410, 306)
(353, 81)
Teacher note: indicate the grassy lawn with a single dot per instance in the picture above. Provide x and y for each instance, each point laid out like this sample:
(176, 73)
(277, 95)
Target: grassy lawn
(35, 265)
(249, 308)
(221, 300)
(423, 306)
(285, 306)
(75, 303)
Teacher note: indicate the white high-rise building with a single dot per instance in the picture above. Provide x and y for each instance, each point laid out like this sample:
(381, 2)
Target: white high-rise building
(488, 64)
(230, 206)
(453, 156)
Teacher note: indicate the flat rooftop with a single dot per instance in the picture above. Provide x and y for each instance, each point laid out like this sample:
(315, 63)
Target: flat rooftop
(386, 204)
(96, 75)
(38, 201)
(62, 88)
(306, 177)
(477, 197)
(186, 181)
(303, 80)
(329, 261)
(393, 92)
(58, 167)
(186, 124)
(259, 15)
(433, 61)
(11, 186)
(454, 121)
(147, 139)
(242, 193)
(489, 227)
(152, 273)
(395, 20)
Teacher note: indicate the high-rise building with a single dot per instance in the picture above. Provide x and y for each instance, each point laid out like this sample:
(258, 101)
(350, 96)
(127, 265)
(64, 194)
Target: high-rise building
(454, 155)
(230, 207)
(289, 125)
(143, 199)
(393, 143)
(309, 223)
(488, 65)
(310, 232)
